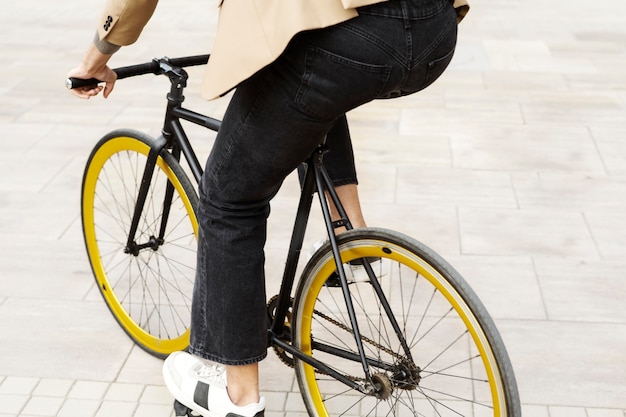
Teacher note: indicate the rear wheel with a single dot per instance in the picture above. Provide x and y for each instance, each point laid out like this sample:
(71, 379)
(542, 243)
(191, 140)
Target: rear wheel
(148, 287)
(453, 362)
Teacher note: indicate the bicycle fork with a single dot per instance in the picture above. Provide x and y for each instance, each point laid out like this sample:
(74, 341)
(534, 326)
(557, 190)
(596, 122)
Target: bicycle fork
(153, 242)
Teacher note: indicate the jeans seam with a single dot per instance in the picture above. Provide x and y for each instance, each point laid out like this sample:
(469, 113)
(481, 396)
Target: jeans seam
(375, 41)
(231, 142)
(427, 51)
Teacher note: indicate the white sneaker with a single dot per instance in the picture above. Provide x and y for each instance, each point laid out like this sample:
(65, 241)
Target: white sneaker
(201, 387)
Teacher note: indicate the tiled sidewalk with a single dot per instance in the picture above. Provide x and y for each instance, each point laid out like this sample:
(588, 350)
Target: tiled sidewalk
(26, 396)
(512, 166)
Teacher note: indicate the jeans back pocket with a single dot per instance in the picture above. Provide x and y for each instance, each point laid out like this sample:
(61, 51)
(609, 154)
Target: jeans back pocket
(332, 84)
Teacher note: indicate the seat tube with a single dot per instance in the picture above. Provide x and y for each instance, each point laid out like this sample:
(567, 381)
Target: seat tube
(293, 255)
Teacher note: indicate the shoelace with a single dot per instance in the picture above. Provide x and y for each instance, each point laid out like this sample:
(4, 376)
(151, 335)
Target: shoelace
(213, 373)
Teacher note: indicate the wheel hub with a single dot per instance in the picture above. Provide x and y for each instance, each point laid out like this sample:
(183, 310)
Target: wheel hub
(407, 376)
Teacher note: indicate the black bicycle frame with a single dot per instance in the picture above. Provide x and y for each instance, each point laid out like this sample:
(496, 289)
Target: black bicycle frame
(316, 179)
(173, 137)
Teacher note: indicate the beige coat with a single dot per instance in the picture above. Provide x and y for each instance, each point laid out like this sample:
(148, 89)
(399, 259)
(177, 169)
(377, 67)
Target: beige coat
(250, 33)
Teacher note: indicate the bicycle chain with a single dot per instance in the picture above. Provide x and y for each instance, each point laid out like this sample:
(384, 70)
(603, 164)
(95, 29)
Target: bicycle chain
(290, 362)
(363, 338)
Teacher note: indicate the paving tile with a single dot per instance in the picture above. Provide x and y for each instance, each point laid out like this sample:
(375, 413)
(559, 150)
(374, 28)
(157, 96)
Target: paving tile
(507, 286)
(526, 148)
(454, 187)
(294, 404)
(88, 390)
(582, 290)
(609, 231)
(18, 385)
(506, 54)
(43, 406)
(153, 394)
(153, 410)
(140, 368)
(576, 191)
(419, 120)
(567, 412)
(77, 336)
(74, 407)
(275, 413)
(525, 232)
(72, 278)
(611, 148)
(116, 409)
(22, 138)
(604, 412)
(584, 361)
(13, 403)
(535, 410)
(524, 82)
(573, 108)
(124, 392)
(53, 387)
(275, 376)
(274, 401)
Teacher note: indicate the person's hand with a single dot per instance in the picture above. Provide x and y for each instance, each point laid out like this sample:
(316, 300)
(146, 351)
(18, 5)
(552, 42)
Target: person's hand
(94, 65)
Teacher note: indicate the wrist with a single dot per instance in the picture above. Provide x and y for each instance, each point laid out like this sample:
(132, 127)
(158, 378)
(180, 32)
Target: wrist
(94, 61)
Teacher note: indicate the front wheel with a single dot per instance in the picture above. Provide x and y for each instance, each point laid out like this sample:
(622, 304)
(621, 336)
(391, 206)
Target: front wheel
(147, 287)
(431, 347)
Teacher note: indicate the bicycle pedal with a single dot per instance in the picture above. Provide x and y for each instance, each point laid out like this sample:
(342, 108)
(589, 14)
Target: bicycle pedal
(182, 410)
(355, 272)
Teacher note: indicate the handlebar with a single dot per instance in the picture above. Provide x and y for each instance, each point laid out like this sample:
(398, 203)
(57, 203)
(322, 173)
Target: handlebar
(156, 66)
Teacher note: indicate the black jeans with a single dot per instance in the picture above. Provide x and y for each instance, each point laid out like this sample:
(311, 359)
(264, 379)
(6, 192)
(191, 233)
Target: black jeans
(275, 120)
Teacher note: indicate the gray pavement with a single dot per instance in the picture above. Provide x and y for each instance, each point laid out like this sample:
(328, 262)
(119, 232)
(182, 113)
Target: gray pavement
(513, 166)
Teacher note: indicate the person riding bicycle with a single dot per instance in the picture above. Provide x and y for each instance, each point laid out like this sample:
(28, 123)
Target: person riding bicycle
(297, 67)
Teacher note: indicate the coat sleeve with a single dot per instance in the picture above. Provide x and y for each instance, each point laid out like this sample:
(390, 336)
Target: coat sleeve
(122, 21)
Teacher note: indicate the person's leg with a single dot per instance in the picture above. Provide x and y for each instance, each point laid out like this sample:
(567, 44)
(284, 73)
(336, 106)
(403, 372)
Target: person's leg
(261, 140)
(274, 122)
(243, 384)
(349, 196)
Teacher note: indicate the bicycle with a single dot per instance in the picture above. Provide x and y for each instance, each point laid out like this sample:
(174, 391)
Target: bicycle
(378, 324)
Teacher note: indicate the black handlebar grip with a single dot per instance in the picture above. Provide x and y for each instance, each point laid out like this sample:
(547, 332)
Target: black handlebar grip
(72, 82)
(123, 72)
